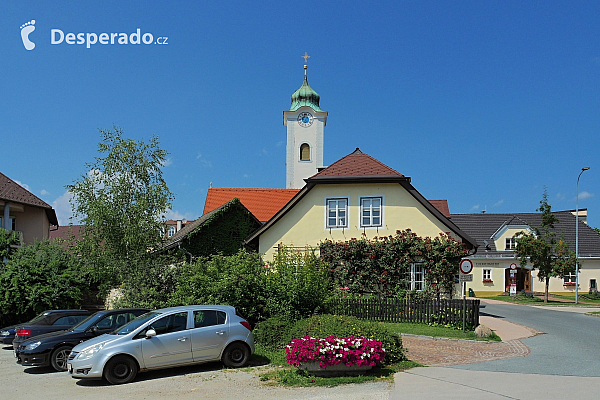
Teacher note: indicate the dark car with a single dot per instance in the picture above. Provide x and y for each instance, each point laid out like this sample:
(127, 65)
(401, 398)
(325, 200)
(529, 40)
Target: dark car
(48, 321)
(52, 349)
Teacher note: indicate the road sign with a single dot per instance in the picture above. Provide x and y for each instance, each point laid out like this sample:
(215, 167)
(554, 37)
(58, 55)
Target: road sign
(513, 266)
(466, 266)
(465, 278)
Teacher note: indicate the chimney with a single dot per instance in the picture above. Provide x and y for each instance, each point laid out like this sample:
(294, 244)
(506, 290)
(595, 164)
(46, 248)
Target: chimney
(178, 225)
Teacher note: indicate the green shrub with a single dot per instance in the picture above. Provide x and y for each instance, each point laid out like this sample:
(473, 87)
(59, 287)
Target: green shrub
(343, 326)
(297, 284)
(272, 333)
(237, 280)
(38, 277)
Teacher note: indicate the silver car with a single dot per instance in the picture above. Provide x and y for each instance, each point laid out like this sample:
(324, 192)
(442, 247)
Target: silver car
(164, 338)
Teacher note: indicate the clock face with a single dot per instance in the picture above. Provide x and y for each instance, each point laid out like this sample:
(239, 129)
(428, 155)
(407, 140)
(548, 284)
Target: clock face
(305, 119)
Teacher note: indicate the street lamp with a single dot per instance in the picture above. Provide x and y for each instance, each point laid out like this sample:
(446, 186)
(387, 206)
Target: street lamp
(577, 238)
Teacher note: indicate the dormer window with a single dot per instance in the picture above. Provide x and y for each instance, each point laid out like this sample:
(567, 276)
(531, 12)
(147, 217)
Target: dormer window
(511, 243)
(171, 231)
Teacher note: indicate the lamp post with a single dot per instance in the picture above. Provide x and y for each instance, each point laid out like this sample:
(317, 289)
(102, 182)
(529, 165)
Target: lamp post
(577, 238)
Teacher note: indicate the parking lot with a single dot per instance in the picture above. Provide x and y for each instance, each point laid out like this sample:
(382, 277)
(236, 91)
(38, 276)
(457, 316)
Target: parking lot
(206, 381)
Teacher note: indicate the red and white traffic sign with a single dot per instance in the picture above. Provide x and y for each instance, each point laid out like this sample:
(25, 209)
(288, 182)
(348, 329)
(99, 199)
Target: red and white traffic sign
(513, 266)
(466, 266)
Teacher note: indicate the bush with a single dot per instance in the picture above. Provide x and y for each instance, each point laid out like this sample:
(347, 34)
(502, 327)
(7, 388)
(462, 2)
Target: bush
(297, 284)
(272, 333)
(322, 326)
(237, 280)
(38, 277)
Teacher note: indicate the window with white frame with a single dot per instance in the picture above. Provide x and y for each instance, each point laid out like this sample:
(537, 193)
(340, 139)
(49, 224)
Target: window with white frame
(487, 275)
(417, 277)
(570, 279)
(370, 211)
(171, 231)
(337, 213)
(511, 243)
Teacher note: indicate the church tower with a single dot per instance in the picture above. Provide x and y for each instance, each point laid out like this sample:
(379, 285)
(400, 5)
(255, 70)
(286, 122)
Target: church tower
(305, 122)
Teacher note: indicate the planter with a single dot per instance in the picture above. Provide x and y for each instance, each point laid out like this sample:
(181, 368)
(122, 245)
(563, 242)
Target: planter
(313, 368)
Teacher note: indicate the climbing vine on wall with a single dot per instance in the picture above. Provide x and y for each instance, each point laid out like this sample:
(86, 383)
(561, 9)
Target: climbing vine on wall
(223, 232)
(382, 266)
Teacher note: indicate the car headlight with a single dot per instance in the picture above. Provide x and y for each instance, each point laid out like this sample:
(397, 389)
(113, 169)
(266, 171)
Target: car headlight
(32, 346)
(4, 333)
(90, 352)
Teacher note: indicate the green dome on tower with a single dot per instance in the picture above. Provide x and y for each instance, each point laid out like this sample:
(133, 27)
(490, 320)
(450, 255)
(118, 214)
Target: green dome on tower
(305, 96)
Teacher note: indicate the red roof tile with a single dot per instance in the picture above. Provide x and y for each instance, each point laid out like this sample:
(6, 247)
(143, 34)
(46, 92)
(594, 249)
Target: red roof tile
(442, 206)
(12, 191)
(262, 203)
(357, 164)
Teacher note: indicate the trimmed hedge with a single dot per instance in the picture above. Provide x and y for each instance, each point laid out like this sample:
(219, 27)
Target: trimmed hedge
(277, 332)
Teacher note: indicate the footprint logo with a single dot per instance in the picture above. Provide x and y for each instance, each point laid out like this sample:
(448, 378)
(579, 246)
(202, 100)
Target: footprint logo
(26, 29)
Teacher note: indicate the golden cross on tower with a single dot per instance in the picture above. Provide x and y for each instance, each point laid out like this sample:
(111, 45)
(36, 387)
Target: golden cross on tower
(306, 57)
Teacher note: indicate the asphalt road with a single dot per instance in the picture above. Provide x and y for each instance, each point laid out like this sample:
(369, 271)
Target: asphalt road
(568, 347)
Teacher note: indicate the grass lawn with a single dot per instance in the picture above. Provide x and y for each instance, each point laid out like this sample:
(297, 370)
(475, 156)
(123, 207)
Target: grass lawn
(284, 374)
(436, 331)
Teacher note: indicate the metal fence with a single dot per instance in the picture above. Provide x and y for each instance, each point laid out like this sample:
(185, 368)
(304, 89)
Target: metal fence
(392, 310)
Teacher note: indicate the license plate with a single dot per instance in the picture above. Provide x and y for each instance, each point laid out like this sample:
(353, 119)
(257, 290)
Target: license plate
(70, 367)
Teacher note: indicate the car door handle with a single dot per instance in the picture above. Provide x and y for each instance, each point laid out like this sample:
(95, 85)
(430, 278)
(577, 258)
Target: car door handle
(182, 339)
(220, 332)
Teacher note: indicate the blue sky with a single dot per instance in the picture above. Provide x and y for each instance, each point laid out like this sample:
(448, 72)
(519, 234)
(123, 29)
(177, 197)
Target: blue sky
(480, 103)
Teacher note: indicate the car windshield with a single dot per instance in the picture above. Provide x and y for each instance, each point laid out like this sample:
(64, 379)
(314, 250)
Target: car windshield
(38, 318)
(136, 323)
(87, 323)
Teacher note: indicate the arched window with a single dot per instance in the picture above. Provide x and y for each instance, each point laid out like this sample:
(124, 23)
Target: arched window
(171, 231)
(304, 152)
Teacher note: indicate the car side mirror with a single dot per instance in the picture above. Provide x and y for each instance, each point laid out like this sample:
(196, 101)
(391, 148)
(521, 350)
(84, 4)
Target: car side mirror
(94, 329)
(150, 333)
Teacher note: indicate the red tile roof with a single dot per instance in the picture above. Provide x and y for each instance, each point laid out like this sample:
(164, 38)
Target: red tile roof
(442, 206)
(12, 191)
(262, 203)
(70, 234)
(357, 164)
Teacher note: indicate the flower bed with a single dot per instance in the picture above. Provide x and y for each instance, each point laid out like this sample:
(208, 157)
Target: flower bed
(349, 351)
(488, 281)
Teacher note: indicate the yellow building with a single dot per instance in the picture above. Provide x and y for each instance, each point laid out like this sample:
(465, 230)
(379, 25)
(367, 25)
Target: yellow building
(357, 196)
(495, 234)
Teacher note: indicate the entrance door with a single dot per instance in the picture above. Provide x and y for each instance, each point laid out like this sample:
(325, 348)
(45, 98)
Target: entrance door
(523, 279)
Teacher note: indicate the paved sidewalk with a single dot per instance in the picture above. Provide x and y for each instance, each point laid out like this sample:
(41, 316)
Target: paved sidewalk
(435, 352)
(446, 352)
(449, 383)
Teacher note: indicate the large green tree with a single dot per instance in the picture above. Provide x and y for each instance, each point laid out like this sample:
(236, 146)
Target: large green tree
(546, 252)
(121, 201)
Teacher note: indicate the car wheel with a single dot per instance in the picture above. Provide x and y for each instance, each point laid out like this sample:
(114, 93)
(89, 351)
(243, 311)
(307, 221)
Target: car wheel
(120, 369)
(59, 358)
(236, 355)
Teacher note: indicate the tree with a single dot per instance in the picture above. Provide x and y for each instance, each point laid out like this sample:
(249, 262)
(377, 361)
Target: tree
(39, 277)
(121, 202)
(546, 253)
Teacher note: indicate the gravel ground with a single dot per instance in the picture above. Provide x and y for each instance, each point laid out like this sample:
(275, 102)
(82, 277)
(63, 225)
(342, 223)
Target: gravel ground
(207, 381)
